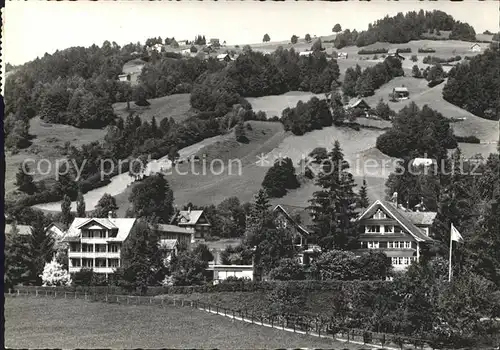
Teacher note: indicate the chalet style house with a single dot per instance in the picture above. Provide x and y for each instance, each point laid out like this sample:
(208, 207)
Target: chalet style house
(96, 243)
(194, 221)
(172, 238)
(298, 221)
(396, 231)
(395, 53)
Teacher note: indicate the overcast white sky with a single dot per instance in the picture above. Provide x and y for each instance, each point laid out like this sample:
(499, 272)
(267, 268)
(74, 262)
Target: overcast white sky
(35, 27)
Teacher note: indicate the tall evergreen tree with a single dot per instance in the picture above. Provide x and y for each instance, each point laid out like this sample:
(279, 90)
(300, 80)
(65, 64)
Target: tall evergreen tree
(66, 215)
(80, 205)
(17, 262)
(41, 248)
(363, 196)
(333, 206)
(142, 259)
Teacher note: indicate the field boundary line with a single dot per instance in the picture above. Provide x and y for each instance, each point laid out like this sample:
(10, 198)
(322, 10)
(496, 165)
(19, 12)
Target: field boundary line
(233, 317)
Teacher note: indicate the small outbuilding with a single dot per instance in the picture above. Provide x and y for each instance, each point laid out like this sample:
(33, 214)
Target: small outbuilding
(475, 48)
(401, 93)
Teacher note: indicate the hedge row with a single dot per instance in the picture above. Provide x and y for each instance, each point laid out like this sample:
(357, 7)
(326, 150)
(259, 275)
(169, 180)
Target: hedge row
(382, 50)
(467, 139)
(426, 50)
(302, 286)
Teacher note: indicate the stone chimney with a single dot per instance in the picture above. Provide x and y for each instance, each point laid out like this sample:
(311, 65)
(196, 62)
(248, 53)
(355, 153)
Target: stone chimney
(110, 214)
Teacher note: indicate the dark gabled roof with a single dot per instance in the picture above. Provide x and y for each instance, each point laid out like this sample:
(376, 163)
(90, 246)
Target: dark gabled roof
(424, 218)
(293, 212)
(399, 216)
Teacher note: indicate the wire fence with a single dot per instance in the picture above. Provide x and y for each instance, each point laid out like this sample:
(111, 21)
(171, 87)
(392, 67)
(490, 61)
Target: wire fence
(314, 326)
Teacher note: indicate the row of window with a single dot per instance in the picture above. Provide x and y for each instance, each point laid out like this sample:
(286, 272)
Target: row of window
(98, 233)
(89, 248)
(403, 260)
(89, 263)
(382, 229)
(376, 245)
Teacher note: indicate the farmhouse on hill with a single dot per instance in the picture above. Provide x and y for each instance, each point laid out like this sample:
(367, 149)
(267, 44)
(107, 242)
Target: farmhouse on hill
(401, 93)
(224, 57)
(124, 77)
(394, 53)
(305, 53)
(342, 55)
(357, 102)
(298, 221)
(194, 221)
(475, 48)
(396, 231)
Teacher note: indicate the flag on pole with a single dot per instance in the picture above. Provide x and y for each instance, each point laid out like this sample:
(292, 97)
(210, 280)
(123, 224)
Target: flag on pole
(455, 235)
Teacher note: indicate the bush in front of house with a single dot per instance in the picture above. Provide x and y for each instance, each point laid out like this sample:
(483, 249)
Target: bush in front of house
(288, 270)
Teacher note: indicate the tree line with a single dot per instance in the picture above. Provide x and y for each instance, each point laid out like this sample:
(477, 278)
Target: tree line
(254, 74)
(473, 85)
(403, 28)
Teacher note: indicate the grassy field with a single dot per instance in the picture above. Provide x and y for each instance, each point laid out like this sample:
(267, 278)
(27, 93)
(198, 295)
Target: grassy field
(59, 323)
(48, 143)
(173, 106)
(270, 140)
(421, 94)
(191, 184)
(274, 105)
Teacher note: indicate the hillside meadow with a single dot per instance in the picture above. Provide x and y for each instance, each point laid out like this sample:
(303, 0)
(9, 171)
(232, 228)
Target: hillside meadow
(47, 143)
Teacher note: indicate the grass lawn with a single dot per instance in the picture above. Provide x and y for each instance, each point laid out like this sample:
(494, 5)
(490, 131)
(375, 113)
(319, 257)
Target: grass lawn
(275, 104)
(57, 323)
(173, 106)
(211, 187)
(48, 142)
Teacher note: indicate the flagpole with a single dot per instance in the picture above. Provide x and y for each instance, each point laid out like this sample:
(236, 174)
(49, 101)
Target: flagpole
(451, 245)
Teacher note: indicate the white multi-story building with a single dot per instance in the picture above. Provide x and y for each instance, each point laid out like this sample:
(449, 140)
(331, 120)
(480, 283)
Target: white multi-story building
(96, 243)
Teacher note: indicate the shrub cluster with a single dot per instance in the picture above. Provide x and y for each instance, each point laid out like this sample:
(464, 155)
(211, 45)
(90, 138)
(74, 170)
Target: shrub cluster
(436, 60)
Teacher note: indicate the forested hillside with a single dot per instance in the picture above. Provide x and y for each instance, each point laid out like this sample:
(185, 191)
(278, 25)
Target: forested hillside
(474, 85)
(405, 27)
(254, 74)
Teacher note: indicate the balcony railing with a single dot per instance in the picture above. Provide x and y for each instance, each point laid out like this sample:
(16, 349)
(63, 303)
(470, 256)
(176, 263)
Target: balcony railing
(93, 254)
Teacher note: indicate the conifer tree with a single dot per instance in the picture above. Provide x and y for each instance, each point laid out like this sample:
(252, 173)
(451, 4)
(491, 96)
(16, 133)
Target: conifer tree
(363, 196)
(334, 204)
(142, 259)
(66, 216)
(80, 205)
(40, 248)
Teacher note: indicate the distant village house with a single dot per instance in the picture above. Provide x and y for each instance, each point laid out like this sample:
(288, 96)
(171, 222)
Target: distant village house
(475, 48)
(400, 93)
(224, 57)
(394, 53)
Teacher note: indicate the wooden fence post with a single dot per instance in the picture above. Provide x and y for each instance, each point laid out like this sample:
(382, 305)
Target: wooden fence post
(85, 295)
(161, 301)
(36, 292)
(128, 299)
(64, 295)
(55, 294)
(106, 297)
